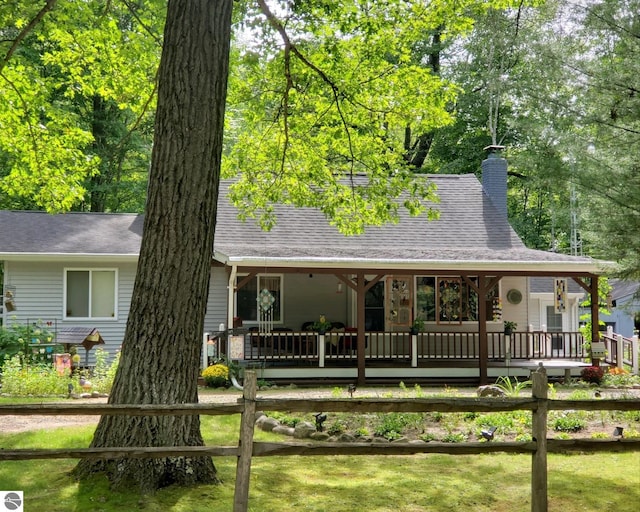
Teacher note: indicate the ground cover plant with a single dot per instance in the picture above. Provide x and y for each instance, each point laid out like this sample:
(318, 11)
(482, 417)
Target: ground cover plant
(483, 483)
(24, 378)
(495, 482)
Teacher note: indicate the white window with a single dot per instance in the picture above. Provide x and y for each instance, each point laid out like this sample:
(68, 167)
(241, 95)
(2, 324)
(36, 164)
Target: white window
(90, 293)
(248, 295)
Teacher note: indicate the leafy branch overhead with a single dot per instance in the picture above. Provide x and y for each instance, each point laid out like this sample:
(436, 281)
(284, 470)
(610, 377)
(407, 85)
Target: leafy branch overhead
(332, 99)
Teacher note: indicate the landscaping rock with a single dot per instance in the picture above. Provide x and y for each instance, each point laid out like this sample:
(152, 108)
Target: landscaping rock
(380, 440)
(267, 424)
(320, 436)
(490, 391)
(303, 430)
(401, 440)
(284, 430)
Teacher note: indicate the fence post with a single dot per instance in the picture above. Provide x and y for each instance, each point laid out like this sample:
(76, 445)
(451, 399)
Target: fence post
(635, 353)
(539, 499)
(245, 446)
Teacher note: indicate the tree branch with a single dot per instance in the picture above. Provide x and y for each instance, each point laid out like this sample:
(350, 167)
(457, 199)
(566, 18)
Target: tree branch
(290, 47)
(28, 28)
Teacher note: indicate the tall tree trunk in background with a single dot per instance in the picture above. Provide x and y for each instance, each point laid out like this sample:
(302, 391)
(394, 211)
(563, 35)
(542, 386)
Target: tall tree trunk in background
(417, 152)
(161, 349)
(98, 130)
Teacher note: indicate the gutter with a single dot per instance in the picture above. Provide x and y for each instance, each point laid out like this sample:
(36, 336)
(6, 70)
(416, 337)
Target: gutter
(588, 266)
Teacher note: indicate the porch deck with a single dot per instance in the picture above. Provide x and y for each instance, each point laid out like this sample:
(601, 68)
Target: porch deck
(404, 347)
(437, 355)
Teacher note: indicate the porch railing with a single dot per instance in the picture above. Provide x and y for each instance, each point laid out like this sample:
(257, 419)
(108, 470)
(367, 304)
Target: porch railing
(334, 347)
(622, 352)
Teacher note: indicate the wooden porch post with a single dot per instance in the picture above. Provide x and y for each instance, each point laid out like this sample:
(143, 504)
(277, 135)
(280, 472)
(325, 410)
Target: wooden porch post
(483, 346)
(595, 316)
(483, 287)
(360, 295)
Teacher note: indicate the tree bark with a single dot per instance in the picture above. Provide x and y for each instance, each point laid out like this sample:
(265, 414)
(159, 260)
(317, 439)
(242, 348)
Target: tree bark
(161, 349)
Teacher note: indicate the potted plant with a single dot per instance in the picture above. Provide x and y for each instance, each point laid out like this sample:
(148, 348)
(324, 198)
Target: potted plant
(509, 327)
(417, 326)
(322, 325)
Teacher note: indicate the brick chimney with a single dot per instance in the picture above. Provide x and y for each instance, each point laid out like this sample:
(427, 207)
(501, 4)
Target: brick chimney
(494, 177)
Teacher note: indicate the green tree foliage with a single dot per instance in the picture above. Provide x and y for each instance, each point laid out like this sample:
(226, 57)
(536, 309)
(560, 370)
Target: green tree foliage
(76, 97)
(330, 92)
(607, 136)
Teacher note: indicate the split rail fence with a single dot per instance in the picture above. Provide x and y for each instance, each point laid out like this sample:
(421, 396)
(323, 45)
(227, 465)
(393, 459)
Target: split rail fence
(539, 447)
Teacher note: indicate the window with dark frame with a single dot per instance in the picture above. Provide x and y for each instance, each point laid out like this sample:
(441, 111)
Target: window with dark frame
(450, 300)
(247, 297)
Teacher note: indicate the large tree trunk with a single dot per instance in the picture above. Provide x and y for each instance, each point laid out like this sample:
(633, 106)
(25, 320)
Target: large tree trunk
(161, 350)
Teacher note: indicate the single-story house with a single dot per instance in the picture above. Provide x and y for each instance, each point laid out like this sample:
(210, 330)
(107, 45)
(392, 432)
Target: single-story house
(463, 276)
(624, 308)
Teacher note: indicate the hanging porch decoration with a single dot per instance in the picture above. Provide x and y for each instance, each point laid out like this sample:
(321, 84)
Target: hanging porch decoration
(560, 295)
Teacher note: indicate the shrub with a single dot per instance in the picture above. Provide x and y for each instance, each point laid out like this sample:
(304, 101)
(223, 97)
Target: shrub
(33, 380)
(569, 422)
(592, 374)
(216, 375)
(284, 419)
(336, 428)
(392, 425)
(454, 437)
(619, 377)
(103, 373)
(15, 340)
(511, 387)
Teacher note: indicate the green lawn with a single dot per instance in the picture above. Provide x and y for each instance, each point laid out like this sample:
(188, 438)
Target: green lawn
(496, 483)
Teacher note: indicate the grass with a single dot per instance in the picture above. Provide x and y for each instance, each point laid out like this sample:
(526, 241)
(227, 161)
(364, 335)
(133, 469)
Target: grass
(483, 483)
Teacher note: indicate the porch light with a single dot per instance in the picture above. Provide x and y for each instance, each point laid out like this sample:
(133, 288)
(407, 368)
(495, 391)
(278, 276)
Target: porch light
(489, 433)
(618, 432)
(320, 419)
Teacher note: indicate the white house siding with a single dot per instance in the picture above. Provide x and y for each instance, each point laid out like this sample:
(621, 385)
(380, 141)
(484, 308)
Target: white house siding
(517, 313)
(38, 289)
(217, 301)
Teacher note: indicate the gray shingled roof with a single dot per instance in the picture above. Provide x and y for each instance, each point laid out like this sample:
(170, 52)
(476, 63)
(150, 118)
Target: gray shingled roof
(32, 232)
(470, 230)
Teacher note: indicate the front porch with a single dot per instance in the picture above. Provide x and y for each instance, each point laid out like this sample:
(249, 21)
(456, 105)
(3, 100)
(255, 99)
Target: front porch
(425, 356)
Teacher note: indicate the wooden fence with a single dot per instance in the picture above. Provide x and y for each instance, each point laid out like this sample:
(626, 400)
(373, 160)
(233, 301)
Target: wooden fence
(538, 404)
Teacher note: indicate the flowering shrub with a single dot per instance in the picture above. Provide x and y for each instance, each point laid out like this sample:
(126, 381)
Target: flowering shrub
(592, 374)
(216, 375)
(619, 377)
(32, 380)
(42, 379)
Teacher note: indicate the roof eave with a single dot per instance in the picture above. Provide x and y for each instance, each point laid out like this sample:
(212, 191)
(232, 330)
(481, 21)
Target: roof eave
(69, 257)
(587, 267)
